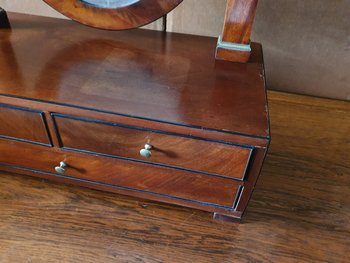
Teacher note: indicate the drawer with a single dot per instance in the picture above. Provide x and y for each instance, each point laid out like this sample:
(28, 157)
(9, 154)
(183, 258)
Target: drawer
(23, 124)
(173, 150)
(123, 174)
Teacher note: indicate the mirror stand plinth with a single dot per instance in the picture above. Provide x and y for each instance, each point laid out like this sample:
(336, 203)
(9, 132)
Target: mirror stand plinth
(143, 113)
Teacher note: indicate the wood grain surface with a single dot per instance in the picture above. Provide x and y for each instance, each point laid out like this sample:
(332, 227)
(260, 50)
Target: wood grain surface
(299, 212)
(23, 124)
(172, 150)
(115, 174)
(239, 20)
(171, 80)
(141, 73)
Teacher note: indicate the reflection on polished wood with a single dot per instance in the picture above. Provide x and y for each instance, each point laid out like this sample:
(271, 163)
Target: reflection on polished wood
(207, 120)
(168, 77)
(299, 211)
(122, 14)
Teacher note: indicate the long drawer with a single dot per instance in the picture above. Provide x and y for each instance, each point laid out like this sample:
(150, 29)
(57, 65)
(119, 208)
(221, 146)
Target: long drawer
(173, 150)
(133, 176)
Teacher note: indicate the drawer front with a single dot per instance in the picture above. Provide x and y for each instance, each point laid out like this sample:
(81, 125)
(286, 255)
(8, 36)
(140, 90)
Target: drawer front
(172, 150)
(133, 176)
(23, 124)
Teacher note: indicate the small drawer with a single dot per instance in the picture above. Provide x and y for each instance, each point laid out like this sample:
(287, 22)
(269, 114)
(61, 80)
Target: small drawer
(173, 150)
(123, 174)
(23, 124)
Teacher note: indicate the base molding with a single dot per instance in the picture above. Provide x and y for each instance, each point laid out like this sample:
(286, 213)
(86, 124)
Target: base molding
(227, 218)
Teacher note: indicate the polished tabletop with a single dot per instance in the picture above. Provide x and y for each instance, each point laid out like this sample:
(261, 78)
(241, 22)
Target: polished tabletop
(164, 77)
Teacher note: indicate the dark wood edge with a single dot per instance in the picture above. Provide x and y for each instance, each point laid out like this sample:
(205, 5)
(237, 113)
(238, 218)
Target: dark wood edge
(238, 197)
(253, 176)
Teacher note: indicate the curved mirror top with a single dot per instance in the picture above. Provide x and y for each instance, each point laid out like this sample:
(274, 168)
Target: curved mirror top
(110, 3)
(114, 14)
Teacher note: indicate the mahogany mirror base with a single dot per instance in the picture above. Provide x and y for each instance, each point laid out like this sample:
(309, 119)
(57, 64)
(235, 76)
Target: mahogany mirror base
(142, 113)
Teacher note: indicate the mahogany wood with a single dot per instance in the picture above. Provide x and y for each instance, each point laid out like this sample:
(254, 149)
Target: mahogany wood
(237, 29)
(250, 178)
(239, 20)
(66, 63)
(23, 124)
(299, 211)
(192, 103)
(174, 150)
(234, 138)
(125, 15)
(114, 173)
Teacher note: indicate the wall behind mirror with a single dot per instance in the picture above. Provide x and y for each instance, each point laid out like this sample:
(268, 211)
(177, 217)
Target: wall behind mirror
(306, 43)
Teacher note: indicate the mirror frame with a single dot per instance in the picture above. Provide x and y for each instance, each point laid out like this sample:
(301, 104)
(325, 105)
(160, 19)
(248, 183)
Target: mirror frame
(126, 16)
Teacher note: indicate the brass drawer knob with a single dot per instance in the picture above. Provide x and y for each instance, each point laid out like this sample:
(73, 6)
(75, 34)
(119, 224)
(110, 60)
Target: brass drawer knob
(61, 168)
(146, 151)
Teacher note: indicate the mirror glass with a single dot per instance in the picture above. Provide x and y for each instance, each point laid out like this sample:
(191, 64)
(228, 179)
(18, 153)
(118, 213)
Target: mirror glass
(110, 3)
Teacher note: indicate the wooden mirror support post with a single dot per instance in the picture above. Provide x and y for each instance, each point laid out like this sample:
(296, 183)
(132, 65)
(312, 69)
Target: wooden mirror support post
(4, 21)
(234, 43)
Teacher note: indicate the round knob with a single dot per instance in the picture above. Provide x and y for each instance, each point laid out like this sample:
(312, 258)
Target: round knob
(61, 169)
(146, 152)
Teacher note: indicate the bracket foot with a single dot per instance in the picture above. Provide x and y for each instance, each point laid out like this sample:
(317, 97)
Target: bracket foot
(227, 218)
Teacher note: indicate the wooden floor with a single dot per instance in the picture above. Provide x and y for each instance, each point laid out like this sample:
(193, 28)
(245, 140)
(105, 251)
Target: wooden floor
(300, 210)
